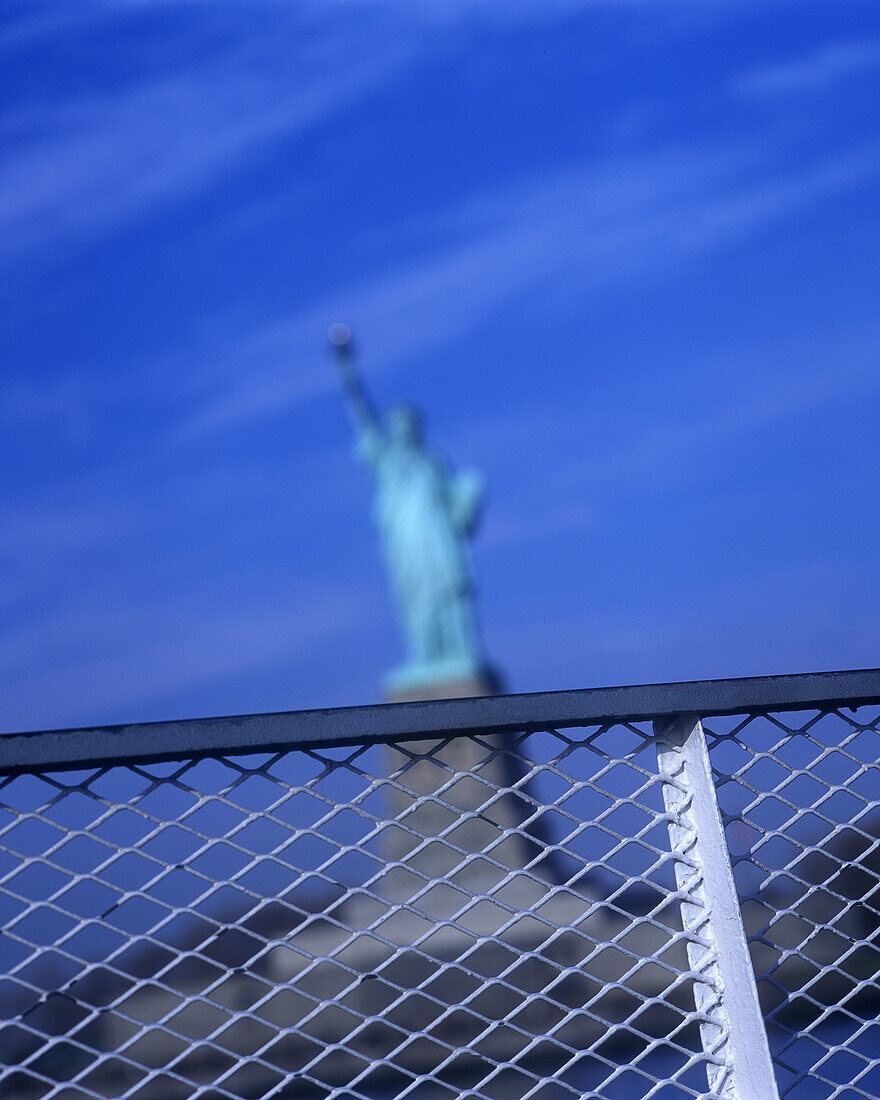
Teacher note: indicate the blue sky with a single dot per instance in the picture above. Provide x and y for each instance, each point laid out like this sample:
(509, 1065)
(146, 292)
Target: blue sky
(623, 253)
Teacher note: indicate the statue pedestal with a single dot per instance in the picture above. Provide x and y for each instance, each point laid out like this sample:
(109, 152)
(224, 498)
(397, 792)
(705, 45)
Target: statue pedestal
(449, 789)
(402, 688)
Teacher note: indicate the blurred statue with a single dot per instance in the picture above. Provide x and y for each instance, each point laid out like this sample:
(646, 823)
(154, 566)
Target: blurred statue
(425, 514)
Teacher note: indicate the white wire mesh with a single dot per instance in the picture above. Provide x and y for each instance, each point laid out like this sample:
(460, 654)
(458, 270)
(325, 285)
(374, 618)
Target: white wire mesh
(259, 926)
(801, 798)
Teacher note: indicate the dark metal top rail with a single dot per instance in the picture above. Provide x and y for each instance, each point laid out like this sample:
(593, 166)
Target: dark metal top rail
(150, 742)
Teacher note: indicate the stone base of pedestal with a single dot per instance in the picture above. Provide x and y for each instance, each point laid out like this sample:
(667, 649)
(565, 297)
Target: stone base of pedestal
(505, 982)
(454, 798)
(369, 993)
(486, 682)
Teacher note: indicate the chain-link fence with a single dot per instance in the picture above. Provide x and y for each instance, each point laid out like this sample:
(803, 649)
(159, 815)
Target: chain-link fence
(515, 897)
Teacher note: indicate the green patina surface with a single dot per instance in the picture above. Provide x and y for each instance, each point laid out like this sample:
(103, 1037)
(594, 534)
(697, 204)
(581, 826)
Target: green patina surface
(425, 513)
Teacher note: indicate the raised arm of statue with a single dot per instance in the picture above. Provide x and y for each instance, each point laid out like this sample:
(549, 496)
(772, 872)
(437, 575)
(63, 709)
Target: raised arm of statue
(360, 410)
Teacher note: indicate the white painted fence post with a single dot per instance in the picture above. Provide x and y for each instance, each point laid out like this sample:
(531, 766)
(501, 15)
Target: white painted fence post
(732, 1026)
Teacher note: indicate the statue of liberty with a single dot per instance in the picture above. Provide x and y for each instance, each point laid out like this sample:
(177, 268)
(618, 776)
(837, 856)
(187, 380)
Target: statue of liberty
(425, 513)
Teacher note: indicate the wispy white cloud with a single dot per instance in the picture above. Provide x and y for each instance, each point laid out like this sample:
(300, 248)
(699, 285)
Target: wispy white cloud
(82, 167)
(99, 526)
(783, 384)
(93, 162)
(115, 665)
(85, 166)
(46, 531)
(772, 620)
(33, 24)
(595, 226)
(818, 70)
(586, 221)
(505, 12)
(599, 466)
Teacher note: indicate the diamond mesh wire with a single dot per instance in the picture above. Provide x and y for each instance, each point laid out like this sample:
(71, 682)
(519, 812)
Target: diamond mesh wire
(479, 916)
(800, 794)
